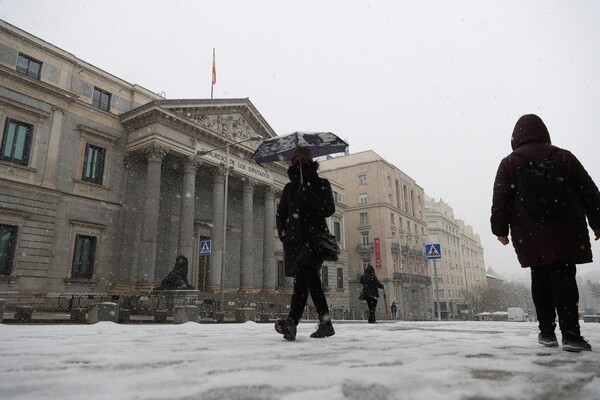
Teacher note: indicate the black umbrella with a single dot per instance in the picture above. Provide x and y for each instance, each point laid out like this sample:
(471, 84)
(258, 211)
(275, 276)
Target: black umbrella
(282, 148)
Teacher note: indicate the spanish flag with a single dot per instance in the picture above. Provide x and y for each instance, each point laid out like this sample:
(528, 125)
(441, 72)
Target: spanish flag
(214, 69)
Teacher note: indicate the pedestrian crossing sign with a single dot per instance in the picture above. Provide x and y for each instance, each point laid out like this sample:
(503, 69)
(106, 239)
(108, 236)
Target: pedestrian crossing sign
(433, 251)
(205, 247)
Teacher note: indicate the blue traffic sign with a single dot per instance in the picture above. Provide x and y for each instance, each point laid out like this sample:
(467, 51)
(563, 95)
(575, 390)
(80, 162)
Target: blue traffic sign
(205, 247)
(433, 251)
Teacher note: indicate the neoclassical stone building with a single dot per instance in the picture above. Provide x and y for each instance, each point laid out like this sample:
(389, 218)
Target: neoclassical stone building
(103, 183)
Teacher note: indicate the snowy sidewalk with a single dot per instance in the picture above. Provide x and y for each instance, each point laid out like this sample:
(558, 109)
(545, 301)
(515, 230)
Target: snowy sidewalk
(401, 360)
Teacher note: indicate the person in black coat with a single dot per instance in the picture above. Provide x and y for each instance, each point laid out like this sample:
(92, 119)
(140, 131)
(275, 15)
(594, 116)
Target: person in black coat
(305, 203)
(550, 246)
(370, 293)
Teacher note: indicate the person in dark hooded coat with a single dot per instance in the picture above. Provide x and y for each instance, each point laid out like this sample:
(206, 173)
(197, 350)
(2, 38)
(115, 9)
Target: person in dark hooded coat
(370, 293)
(306, 201)
(551, 246)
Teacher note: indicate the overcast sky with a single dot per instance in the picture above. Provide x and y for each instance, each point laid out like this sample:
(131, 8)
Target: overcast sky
(434, 87)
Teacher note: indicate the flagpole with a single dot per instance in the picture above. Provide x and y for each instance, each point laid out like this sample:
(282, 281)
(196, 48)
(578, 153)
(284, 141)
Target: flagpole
(214, 75)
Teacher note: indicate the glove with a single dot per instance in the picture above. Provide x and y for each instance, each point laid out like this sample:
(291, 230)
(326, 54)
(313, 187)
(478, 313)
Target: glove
(302, 190)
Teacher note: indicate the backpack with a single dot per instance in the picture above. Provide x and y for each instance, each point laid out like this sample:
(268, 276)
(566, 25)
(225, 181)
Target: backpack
(543, 187)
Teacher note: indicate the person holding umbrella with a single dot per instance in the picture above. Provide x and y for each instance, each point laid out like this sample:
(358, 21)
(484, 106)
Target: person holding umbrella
(305, 203)
(370, 290)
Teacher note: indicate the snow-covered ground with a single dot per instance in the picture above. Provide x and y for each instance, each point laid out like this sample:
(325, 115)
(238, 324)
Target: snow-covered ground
(399, 360)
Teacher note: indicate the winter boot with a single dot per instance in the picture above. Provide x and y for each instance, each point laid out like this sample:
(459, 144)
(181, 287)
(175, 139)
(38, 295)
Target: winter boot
(324, 329)
(547, 339)
(574, 342)
(287, 328)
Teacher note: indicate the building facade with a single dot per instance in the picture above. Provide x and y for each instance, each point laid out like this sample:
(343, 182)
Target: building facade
(385, 227)
(104, 183)
(461, 276)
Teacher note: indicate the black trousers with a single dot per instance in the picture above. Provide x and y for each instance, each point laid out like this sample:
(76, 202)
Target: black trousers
(306, 281)
(372, 303)
(554, 290)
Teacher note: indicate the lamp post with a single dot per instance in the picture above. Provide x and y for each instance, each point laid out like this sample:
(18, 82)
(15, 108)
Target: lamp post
(226, 169)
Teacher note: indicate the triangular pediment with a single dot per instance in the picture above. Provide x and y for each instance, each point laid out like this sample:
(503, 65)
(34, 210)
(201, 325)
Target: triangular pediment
(234, 119)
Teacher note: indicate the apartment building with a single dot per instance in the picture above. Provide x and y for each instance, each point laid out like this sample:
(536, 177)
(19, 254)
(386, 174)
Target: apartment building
(461, 274)
(384, 226)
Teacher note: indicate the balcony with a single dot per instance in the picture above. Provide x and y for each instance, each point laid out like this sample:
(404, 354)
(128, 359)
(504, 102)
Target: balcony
(417, 279)
(364, 248)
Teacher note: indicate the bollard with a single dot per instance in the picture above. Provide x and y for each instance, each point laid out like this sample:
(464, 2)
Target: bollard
(220, 316)
(264, 317)
(23, 314)
(78, 315)
(103, 312)
(2, 307)
(160, 316)
(185, 314)
(124, 315)
(245, 314)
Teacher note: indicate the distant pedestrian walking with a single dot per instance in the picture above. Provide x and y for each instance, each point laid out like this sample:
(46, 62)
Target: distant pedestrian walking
(370, 291)
(546, 218)
(394, 310)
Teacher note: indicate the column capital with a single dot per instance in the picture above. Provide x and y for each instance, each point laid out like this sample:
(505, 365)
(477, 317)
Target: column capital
(155, 152)
(249, 185)
(271, 191)
(191, 164)
(219, 178)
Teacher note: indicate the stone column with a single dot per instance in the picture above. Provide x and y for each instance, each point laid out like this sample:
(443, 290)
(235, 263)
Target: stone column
(186, 219)
(246, 259)
(269, 265)
(155, 155)
(216, 234)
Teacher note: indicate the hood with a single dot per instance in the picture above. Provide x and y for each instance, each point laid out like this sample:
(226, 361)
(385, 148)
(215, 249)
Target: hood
(369, 269)
(309, 171)
(529, 128)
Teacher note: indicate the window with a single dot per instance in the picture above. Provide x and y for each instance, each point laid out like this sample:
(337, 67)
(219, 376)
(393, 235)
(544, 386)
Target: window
(8, 243)
(392, 219)
(16, 142)
(364, 238)
(389, 179)
(340, 278)
(29, 66)
(337, 231)
(364, 218)
(84, 257)
(337, 196)
(363, 198)
(93, 164)
(362, 179)
(325, 276)
(101, 99)
(280, 274)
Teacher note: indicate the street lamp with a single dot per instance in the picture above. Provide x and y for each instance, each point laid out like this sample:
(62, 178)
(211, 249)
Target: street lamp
(226, 170)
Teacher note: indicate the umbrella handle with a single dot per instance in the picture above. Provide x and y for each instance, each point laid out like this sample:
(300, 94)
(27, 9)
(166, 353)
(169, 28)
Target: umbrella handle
(301, 179)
